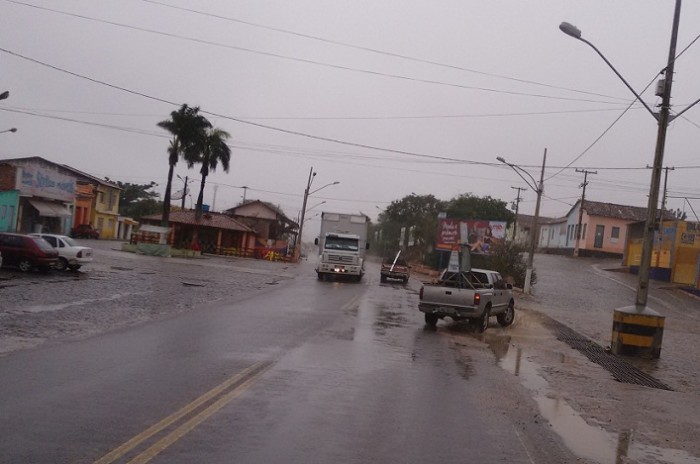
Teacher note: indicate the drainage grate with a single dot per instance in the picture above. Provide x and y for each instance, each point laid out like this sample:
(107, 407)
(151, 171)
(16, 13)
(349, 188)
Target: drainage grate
(621, 370)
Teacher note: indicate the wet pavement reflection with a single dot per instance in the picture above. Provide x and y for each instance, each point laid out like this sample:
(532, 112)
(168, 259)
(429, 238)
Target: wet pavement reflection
(586, 440)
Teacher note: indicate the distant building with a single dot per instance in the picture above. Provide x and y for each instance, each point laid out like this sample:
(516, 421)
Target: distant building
(675, 256)
(603, 229)
(39, 195)
(216, 233)
(274, 229)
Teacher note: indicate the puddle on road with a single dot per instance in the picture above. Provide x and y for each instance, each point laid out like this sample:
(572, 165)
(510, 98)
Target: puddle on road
(585, 440)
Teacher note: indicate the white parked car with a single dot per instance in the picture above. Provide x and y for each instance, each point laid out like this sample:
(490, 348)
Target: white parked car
(70, 254)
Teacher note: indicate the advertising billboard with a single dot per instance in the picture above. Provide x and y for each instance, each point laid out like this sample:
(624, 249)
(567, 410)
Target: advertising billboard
(479, 235)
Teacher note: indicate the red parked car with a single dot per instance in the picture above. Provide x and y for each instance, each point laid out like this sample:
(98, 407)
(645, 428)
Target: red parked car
(27, 252)
(84, 231)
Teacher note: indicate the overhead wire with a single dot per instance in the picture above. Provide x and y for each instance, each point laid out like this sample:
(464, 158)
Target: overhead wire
(374, 50)
(303, 60)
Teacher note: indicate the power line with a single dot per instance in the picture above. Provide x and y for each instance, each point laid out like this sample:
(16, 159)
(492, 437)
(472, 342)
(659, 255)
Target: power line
(374, 50)
(303, 60)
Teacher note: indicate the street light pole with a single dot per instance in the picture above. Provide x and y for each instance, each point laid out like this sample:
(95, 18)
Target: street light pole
(629, 319)
(539, 188)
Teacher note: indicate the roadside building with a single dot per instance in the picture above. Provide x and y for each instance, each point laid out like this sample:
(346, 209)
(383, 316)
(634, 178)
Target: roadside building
(38, 195)
(216, 233)
(274, 230)
(35, 196)
(97, 203)
(675, 255)
(551, 233)
(603, 229)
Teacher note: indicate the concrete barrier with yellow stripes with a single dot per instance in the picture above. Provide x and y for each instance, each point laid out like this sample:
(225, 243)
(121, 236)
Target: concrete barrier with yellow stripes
(637, 332)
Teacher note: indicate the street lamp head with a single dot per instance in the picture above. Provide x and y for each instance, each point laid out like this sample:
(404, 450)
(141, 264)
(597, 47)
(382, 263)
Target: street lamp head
(4, 95)
(501, 159)
(13, 130)
(570, 29)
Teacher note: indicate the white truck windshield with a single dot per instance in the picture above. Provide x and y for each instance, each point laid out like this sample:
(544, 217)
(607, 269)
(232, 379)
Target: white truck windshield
(339, 243)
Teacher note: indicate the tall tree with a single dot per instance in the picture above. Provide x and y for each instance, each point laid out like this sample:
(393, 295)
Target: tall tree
(138, 200)
(413, 211)
(188, 128)
(468, 206)
(214, 151)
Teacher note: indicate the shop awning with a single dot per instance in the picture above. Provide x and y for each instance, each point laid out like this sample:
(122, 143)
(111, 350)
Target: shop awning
(48, 209)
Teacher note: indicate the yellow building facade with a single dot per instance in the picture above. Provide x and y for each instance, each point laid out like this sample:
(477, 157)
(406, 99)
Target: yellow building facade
(675, 255)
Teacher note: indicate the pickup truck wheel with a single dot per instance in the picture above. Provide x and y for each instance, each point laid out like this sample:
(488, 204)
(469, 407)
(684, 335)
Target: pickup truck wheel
(405, 280)
(506, 318)
(321, 276)
(382, 279)
(483, 321)
(431, 320)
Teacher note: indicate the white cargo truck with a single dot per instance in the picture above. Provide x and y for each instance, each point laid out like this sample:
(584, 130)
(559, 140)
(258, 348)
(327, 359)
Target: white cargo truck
(342, 244)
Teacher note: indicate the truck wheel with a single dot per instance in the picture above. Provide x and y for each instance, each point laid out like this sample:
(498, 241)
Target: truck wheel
(506, 318)
(483, 321)
(431, 320)
(405, 280)
(383, 279)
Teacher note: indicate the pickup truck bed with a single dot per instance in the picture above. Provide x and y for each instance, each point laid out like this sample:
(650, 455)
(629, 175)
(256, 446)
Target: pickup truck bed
(395, 270)
(472, 295)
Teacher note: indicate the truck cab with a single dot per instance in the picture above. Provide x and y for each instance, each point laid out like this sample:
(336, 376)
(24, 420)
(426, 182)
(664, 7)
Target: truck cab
(342, 244)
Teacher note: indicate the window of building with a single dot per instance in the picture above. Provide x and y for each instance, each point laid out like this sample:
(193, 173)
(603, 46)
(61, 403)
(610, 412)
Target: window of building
(583, 236)
(615, 232)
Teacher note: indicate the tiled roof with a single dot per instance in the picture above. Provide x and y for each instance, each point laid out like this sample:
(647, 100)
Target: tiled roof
(283, 217)
(215, 220)
(611, 210)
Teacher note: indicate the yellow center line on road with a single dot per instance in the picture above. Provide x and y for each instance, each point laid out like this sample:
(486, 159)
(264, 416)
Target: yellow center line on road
(188, 409)
(179, 432)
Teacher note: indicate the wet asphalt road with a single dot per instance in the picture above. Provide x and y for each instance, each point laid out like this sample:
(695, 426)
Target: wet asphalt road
(249, 362)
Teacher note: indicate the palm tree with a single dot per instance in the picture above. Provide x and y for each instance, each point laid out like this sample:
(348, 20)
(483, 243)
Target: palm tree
(188, 128)
(213, 151)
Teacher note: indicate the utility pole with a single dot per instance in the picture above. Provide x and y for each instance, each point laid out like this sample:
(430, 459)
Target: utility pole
(661, 213)
(184, 194)
(518, 199)
(245, 189)
(580, 209)
(533, 239)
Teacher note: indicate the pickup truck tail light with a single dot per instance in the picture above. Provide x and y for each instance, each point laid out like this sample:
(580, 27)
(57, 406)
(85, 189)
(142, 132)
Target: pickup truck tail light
(420, 294)
(477, 299)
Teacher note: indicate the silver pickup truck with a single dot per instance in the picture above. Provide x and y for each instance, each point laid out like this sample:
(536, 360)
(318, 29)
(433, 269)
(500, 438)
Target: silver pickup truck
(468, 295)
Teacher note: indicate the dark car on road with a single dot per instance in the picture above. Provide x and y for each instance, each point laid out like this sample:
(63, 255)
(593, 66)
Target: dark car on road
(84, 231)
(27, 252)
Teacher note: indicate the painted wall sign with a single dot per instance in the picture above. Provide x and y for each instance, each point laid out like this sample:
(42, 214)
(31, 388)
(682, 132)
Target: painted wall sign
(37, 180)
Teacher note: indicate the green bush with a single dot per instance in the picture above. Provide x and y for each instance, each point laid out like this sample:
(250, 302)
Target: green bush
(509, 260)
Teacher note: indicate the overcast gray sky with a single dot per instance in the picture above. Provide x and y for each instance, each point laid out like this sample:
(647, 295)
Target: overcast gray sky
(387, 97)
